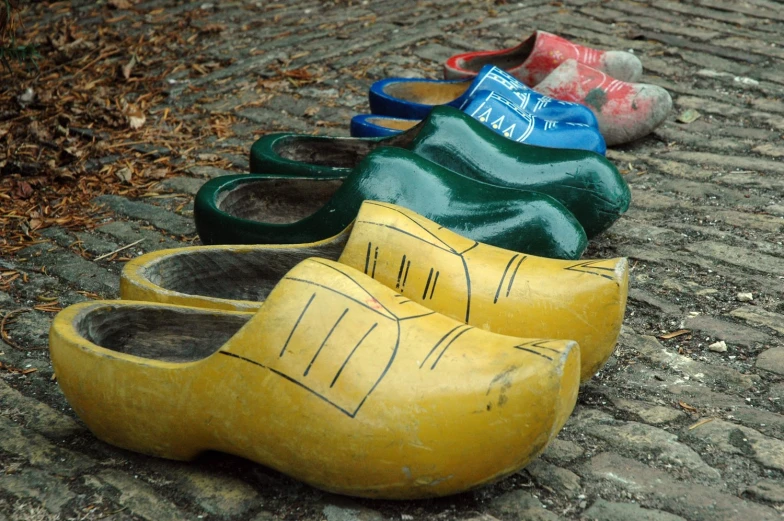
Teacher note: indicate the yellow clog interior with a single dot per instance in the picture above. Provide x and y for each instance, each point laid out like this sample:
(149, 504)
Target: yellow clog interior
(234, 274)
(426, 92)
(159, 333)
(397, 124)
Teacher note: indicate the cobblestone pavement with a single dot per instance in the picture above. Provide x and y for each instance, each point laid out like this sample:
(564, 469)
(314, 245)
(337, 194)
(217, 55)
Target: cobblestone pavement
(669, 430)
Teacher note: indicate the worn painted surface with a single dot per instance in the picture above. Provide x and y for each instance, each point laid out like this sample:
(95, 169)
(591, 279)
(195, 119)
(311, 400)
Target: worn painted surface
(337, 381)
(518, 220)
(415, 98)
(587, 184)
(490, 288)
(704, 226)
(539, 54)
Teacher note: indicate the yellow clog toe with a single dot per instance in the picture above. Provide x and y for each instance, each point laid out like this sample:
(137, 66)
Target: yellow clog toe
(487, 287)
(337, 381)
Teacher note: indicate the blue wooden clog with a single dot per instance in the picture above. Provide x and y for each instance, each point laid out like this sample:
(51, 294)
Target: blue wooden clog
(414, 98)
(505, 118)
(371, 125)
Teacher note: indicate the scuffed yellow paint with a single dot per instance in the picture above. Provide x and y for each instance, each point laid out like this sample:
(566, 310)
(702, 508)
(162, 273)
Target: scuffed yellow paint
(487, 287)
(336, 381)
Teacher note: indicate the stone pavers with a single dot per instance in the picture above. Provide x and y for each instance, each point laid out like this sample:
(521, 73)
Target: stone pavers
(669, 430)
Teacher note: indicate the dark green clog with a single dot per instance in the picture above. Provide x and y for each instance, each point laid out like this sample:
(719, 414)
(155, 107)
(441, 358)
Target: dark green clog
(584, 182)
(274, 209)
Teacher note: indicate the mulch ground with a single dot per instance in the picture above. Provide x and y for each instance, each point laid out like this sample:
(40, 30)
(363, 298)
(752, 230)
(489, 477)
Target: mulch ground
(78, 120)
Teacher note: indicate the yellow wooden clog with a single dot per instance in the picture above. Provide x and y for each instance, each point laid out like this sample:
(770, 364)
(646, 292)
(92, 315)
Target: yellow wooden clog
(337, 381)
(487, 287)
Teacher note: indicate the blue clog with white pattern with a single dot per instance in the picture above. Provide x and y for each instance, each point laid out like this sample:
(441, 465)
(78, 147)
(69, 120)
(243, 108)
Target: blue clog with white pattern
(503, 116)
(408, 98)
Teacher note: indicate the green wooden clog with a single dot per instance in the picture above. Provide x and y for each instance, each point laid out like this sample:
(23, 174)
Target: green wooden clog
(275, 209)
(586, 183)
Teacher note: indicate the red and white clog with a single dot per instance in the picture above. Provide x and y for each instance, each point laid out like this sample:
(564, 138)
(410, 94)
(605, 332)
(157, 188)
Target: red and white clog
(625, 111)
(539, 55)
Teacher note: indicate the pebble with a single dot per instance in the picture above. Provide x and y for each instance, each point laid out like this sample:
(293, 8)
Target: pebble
(718, 347)
(745, 297)
(27, 96)
(745, 81)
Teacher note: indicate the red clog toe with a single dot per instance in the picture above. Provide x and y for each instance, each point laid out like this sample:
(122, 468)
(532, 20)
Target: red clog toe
(625, 111)
(534, 59)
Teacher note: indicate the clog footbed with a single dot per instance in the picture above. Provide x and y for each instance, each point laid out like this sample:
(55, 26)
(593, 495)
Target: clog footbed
(259, 209)
(337, 381)
(487, 287)
(371, 125)
(501, 115)
(414, 98)
(587, 184)
(538, 55)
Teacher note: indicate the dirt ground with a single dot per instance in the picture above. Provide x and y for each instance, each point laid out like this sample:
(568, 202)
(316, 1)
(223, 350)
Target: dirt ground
(134, 105)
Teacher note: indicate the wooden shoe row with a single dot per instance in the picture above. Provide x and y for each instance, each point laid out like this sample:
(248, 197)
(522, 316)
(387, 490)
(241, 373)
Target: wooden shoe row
(396, 317)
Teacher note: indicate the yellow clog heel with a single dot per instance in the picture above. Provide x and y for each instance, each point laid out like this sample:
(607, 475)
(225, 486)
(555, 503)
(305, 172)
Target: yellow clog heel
(484, 286)
(337, 381)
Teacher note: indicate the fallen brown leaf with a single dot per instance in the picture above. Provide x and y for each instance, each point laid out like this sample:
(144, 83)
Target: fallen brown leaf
(156, 173)
(687, 407)
(136, 118)
(128, 67)
(674, 334)
(23, 190)
(213, 28)
(124, 174)
(701, 422)
(120, 4)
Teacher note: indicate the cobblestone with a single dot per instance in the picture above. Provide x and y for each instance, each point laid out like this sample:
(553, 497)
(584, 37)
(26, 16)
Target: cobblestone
(140, 498)
(36, 450)
(155, 215)
(699, 503)
(650, 414)
(645, 441)
(768, 490)
(724, 330)
(51, 492)
(70, 267)
(216, 494)
(36, 416)
(605, 511)
(733, 439)
(561, 481)
(185, 185)
(667, 431)
(128, 233)
(521, 506)
(772, 360)
(563, 451)
(652, 349)
(761, 317)
(343, 510)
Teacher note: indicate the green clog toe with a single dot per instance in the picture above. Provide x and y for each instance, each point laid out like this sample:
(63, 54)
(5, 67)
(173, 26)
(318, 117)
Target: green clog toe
(274, 209)
(587, 184)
